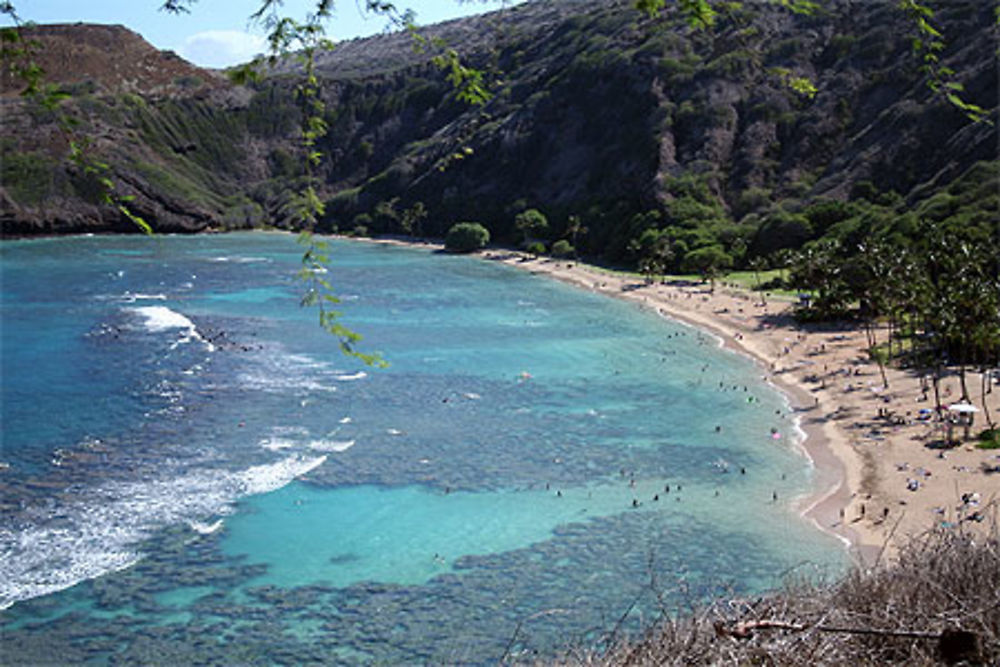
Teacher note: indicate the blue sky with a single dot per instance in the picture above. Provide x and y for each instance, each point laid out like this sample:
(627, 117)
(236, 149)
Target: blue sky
(216, 33)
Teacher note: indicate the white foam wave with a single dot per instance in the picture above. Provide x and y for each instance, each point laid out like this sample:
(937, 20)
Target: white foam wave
(276, 444)
(290, 430)
(331, 445)
(132, 297)
(236, 259)
(273, 476)
(279, 371)
(304, 360)
(98, 532)
(281, 384)
(203, 528)
(161, 318)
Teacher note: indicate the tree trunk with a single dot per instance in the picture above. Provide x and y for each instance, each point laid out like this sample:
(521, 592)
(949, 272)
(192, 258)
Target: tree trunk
(937, 385)
(961, 381)
(985, 378)
(873, 353)
(892, 328)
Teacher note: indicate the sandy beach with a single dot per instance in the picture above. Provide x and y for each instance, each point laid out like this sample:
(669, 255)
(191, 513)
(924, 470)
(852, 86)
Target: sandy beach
(880, 477)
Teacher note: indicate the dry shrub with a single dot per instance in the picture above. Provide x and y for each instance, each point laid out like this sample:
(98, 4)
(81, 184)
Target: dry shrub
(937, 603)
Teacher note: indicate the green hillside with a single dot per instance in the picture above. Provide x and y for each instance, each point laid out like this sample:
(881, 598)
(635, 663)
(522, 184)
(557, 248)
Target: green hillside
(669, 146)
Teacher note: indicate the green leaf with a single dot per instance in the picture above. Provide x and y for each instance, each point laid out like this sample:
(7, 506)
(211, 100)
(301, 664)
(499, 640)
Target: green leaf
(139, 222)
(699, 13)
(803, 7)
(246, 74)
(309, 298)
(650, 7)
(803, 86)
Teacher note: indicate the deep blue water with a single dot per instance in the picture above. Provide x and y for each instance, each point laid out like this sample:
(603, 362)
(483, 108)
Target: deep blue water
(195, 473)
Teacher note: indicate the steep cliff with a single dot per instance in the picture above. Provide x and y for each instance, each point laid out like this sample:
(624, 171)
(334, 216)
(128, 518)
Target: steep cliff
(597, 111)
(604, 113)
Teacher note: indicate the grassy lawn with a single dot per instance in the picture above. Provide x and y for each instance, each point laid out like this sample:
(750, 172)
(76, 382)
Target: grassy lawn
(746, 280)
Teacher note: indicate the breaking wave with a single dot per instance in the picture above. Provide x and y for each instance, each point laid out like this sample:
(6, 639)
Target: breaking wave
(161, 318)
(331, 445)
(236, 259)
(100, 532)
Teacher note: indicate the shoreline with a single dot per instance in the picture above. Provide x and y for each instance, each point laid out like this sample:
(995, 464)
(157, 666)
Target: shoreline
(820, 507)
(874, 488)
(880, 479)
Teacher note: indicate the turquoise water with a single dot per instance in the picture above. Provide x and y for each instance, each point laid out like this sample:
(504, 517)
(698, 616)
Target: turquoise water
(190, 455)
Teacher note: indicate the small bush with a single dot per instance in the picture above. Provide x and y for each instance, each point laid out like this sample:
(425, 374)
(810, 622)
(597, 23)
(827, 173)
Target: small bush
(466, 237)
(532, 223)
(362, 220)
(562, 248)
(989, 439)
(536, 248)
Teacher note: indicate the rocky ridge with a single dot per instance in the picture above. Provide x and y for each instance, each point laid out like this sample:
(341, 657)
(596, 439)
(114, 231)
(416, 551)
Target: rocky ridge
(597, 111)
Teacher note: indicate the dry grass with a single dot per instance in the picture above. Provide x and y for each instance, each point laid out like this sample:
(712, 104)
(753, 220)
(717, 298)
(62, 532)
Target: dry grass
(937, 603)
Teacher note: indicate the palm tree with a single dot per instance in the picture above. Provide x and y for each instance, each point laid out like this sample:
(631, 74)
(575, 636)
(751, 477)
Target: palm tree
(874, 294)
(818, 267)
(937, 310)
(758, 264)
(575, 228)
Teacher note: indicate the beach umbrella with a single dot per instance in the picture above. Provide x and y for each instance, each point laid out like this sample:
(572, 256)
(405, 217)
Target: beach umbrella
(962, 407)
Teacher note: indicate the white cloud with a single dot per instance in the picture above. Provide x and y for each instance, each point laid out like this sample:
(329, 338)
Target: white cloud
(221, 48)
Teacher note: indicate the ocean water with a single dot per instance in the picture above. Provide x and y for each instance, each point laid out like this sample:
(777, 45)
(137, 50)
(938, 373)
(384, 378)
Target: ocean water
(193, 472)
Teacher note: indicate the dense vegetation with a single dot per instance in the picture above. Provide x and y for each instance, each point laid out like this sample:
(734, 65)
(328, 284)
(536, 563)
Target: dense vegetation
(931, 272)
(466, 237)
(663, 142)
